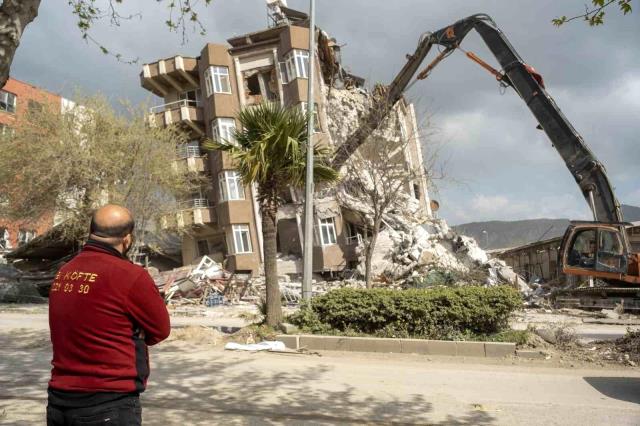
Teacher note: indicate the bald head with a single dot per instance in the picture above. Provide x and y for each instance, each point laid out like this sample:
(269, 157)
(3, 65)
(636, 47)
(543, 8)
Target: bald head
(111, 222)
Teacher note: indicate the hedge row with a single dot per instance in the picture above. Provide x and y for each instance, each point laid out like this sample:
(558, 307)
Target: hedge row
(436, 313)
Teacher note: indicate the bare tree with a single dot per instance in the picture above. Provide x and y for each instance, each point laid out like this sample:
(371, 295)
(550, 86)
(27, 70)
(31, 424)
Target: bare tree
(381, 177)
(69, 163)
(15, 15)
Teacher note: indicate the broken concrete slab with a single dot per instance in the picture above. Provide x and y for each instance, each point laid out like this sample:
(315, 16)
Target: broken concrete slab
(289, 328)
(547, 334)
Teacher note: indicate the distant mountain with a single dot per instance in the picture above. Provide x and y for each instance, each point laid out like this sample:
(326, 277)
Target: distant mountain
(630, 213)
(502, 234)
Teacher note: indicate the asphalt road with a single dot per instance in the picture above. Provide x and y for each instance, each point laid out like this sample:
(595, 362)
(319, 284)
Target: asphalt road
(196, 384)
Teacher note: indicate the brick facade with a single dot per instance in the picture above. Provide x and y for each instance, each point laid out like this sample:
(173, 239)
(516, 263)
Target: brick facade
(25, 95)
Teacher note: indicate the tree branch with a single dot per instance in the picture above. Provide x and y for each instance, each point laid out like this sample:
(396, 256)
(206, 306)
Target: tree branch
(15, 15)
(595, 16)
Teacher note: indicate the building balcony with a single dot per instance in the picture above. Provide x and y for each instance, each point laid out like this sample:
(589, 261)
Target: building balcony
(167, 75)
(190, 159)
(193, 212)
(184, 112)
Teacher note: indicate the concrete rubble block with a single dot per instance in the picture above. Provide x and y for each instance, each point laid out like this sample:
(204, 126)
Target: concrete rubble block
(366, 344)
(547, 334)
(290, 342)
(289, 328)
(324, 343)
(470, 349)
(531, 354)
(499, 349)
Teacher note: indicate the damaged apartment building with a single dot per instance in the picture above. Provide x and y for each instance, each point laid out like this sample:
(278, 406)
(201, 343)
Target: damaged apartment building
(204, 93)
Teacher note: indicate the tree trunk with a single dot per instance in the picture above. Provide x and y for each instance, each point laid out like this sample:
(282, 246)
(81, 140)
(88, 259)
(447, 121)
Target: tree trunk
(369, 252)
(15, 15)
(269, 227)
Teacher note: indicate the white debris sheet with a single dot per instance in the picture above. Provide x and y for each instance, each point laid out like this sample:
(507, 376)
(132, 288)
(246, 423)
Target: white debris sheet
(267, 345)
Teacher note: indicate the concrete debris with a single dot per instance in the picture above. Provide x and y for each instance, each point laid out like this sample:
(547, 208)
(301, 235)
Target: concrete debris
(411, 246)
(30, 285)
(207, 284)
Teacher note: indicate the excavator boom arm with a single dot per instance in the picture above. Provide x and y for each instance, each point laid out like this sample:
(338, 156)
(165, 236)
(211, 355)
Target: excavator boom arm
(588, 172)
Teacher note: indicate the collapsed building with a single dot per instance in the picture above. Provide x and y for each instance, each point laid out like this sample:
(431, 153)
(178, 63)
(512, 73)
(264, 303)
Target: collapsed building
(204, 94)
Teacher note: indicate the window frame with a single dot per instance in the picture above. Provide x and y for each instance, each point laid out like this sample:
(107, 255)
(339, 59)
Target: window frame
(199, 244)
(328, 224)
(295, 64)
(214, 76)
(237, 231)
(197, 95)
(5, 238)
(6, 130)
(225, 177)
(224, 123)
(4, 100)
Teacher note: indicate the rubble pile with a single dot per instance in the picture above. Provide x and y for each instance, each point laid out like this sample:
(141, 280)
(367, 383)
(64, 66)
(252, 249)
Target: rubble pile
(208, 284)
(30, 285)
(411, 245)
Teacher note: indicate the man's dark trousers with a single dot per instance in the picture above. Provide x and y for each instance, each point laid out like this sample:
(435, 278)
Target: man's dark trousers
(125, 411)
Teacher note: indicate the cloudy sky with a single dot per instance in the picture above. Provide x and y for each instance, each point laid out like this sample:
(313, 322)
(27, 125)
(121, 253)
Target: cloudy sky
(498, 165)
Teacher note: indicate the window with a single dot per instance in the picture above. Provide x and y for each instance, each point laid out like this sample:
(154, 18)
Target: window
(230, 186)
(260, 85)
(416, 191)
(7, 101)
(6, 130)
(354, 235)
(241, 239)
(316, 118)
(223, 130)
(297, 64)
(192, 97)
(583, 250)
(24, 236)
(203, 247)
(5, 239)
(327, 231)
(188, 150)
(216, 80)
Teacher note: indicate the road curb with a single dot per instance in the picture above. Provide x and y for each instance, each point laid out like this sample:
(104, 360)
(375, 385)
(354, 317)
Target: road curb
(415, 346)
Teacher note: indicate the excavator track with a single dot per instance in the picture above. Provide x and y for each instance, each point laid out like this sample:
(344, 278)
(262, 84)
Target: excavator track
(602, 297)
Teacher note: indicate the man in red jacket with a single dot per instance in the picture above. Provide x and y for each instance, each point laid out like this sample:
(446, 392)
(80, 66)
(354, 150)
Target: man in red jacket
(103, 312)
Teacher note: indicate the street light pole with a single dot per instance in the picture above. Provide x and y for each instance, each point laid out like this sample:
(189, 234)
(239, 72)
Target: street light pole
(307, 271)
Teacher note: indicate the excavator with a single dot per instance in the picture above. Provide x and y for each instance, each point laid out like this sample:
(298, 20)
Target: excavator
(599, 249)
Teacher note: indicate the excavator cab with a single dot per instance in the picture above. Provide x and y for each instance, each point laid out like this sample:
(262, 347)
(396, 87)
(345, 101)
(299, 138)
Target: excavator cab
(596, 249)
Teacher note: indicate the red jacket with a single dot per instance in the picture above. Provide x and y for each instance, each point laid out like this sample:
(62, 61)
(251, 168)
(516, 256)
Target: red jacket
(100, 305)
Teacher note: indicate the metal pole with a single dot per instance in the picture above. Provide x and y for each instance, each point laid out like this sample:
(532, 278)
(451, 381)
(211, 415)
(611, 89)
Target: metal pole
(308, 190)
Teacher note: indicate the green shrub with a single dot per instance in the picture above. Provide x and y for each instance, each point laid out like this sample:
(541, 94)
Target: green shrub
(436, 313)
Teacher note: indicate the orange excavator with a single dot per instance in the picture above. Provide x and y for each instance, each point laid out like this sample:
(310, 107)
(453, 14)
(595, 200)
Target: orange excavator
(598, 248)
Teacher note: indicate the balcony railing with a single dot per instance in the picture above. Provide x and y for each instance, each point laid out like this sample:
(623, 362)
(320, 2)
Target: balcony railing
(188, 151)
(174, 105)
(195, 203)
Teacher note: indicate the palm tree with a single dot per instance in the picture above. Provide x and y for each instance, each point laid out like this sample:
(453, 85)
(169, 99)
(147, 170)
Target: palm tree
(270, 150)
